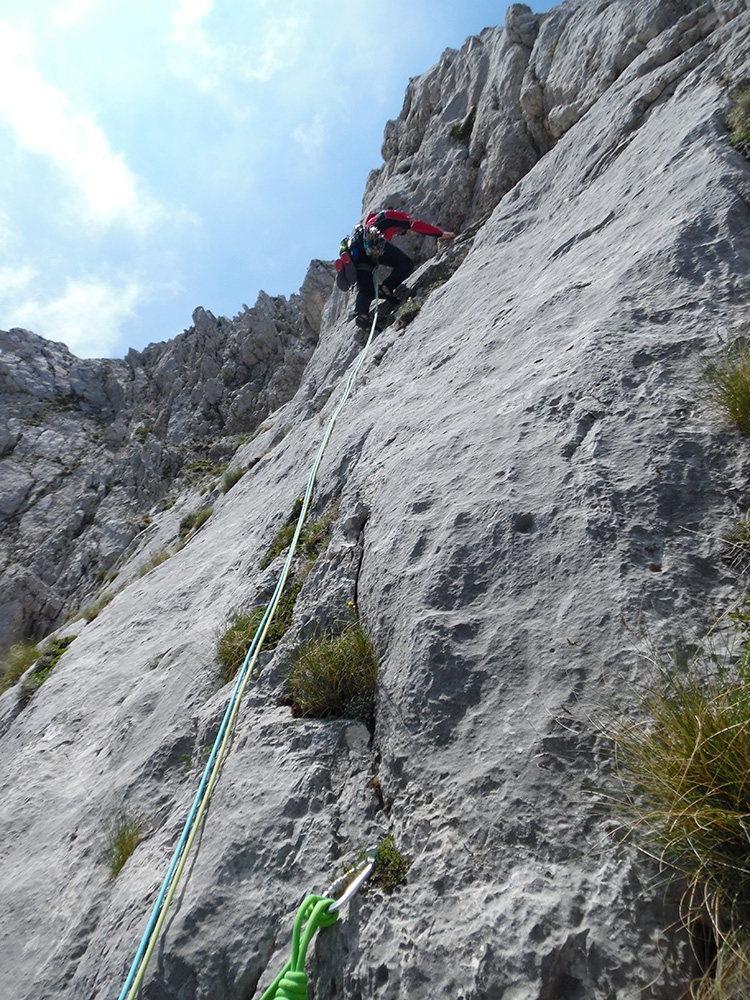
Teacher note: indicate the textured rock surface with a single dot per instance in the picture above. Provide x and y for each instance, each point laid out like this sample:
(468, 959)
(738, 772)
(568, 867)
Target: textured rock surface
(88, 447)
(525, 465)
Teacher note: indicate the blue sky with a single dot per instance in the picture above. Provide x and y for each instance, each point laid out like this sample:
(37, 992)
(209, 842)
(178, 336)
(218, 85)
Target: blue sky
(157, 155)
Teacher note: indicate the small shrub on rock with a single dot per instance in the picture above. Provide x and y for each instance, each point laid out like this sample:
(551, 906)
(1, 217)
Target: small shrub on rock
(685, 768)
(391, 867)
(231, 478)
(90, 612)
(45, 664)
(191, 522)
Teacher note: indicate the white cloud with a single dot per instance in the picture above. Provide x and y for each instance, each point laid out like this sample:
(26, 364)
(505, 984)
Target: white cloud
(87, 316)
(72, 12)
(310, 136)
(44, 122)
(188, 16)
(280, 41)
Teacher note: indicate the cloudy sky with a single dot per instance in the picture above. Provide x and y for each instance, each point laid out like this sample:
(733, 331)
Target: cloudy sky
(156, 155)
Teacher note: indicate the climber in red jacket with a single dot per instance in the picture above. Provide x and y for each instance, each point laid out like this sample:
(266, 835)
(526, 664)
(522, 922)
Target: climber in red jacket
(370, 246)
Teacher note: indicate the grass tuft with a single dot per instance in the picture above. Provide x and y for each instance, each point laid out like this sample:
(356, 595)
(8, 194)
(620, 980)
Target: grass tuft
(235, 642)
(738, 121)
(231, 478)
(729, 387)
(685, 768)
(45, 664)
(122, 836)
(191, 522)
(90, 612)
(336, 676)
(16, 661)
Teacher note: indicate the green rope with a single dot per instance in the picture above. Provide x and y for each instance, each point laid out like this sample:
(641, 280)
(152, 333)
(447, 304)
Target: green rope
(291, 982)
(221, 745)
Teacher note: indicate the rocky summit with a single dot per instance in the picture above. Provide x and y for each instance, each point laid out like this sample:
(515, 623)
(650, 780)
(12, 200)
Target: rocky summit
(525, 480)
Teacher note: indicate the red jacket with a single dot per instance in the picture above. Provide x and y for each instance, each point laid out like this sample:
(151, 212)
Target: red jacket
(390, 223)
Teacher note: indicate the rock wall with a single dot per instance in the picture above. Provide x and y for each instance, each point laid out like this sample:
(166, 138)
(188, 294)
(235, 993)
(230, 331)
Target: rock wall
(524, 467)
(88, 448)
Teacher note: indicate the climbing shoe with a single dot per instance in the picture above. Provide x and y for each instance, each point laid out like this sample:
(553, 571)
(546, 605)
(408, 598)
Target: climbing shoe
(390, 298)
(362, 321)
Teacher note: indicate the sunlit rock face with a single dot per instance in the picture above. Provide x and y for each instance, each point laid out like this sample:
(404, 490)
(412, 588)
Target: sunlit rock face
(87, 448)
(525, 467)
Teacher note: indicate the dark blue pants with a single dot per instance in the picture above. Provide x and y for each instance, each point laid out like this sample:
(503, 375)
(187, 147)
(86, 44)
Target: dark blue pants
(391, 257)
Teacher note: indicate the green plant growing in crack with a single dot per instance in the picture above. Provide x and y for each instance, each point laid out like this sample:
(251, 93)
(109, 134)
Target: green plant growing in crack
(391, 866)
(193, 521)
(462, 132)
(737, 544)
(313, 537)
(45, 664)
(91, 611)
(122, 835)
(335, 675)
(236, 639)
(738, 120)
(231, 478)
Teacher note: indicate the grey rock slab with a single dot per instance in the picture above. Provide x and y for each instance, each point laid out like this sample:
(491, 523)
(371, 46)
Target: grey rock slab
(529, 463)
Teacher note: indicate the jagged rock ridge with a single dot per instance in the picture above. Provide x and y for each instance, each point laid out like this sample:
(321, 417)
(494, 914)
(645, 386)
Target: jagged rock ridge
(87, 448)
(525, 464)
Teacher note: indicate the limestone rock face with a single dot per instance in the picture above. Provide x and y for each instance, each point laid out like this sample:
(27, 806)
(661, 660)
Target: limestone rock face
(524, 467)
(88, 447)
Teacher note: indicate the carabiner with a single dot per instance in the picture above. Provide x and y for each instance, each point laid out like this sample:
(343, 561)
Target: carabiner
(346, 885)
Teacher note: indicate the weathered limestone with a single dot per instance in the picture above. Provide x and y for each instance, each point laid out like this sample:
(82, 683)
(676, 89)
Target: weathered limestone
(524, 467)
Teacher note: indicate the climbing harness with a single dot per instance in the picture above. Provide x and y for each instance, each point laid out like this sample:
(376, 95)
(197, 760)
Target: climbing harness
(315, 912)
(223, 737)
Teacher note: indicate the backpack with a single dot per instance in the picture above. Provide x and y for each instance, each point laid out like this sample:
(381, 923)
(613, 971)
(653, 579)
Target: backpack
(365, 241)
(346, 269)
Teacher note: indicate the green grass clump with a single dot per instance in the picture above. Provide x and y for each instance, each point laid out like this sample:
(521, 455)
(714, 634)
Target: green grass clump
(122, 836)
(738, 121)
(156, 560)
(235, 641)
(690, 764)
(284, 535)
(45, 664)
(686, 771)
(391, 867)
(191, 522)
(231, 478)
(336, 676)
(90, 612)
(462, 132)
(16, 661)
(313, 536)
(737, 544)
(729, 387)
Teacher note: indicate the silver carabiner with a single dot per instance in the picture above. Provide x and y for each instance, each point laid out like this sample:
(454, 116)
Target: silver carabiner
(345, 886)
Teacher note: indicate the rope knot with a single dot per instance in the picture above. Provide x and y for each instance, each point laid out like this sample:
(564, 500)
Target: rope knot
(293, 986)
